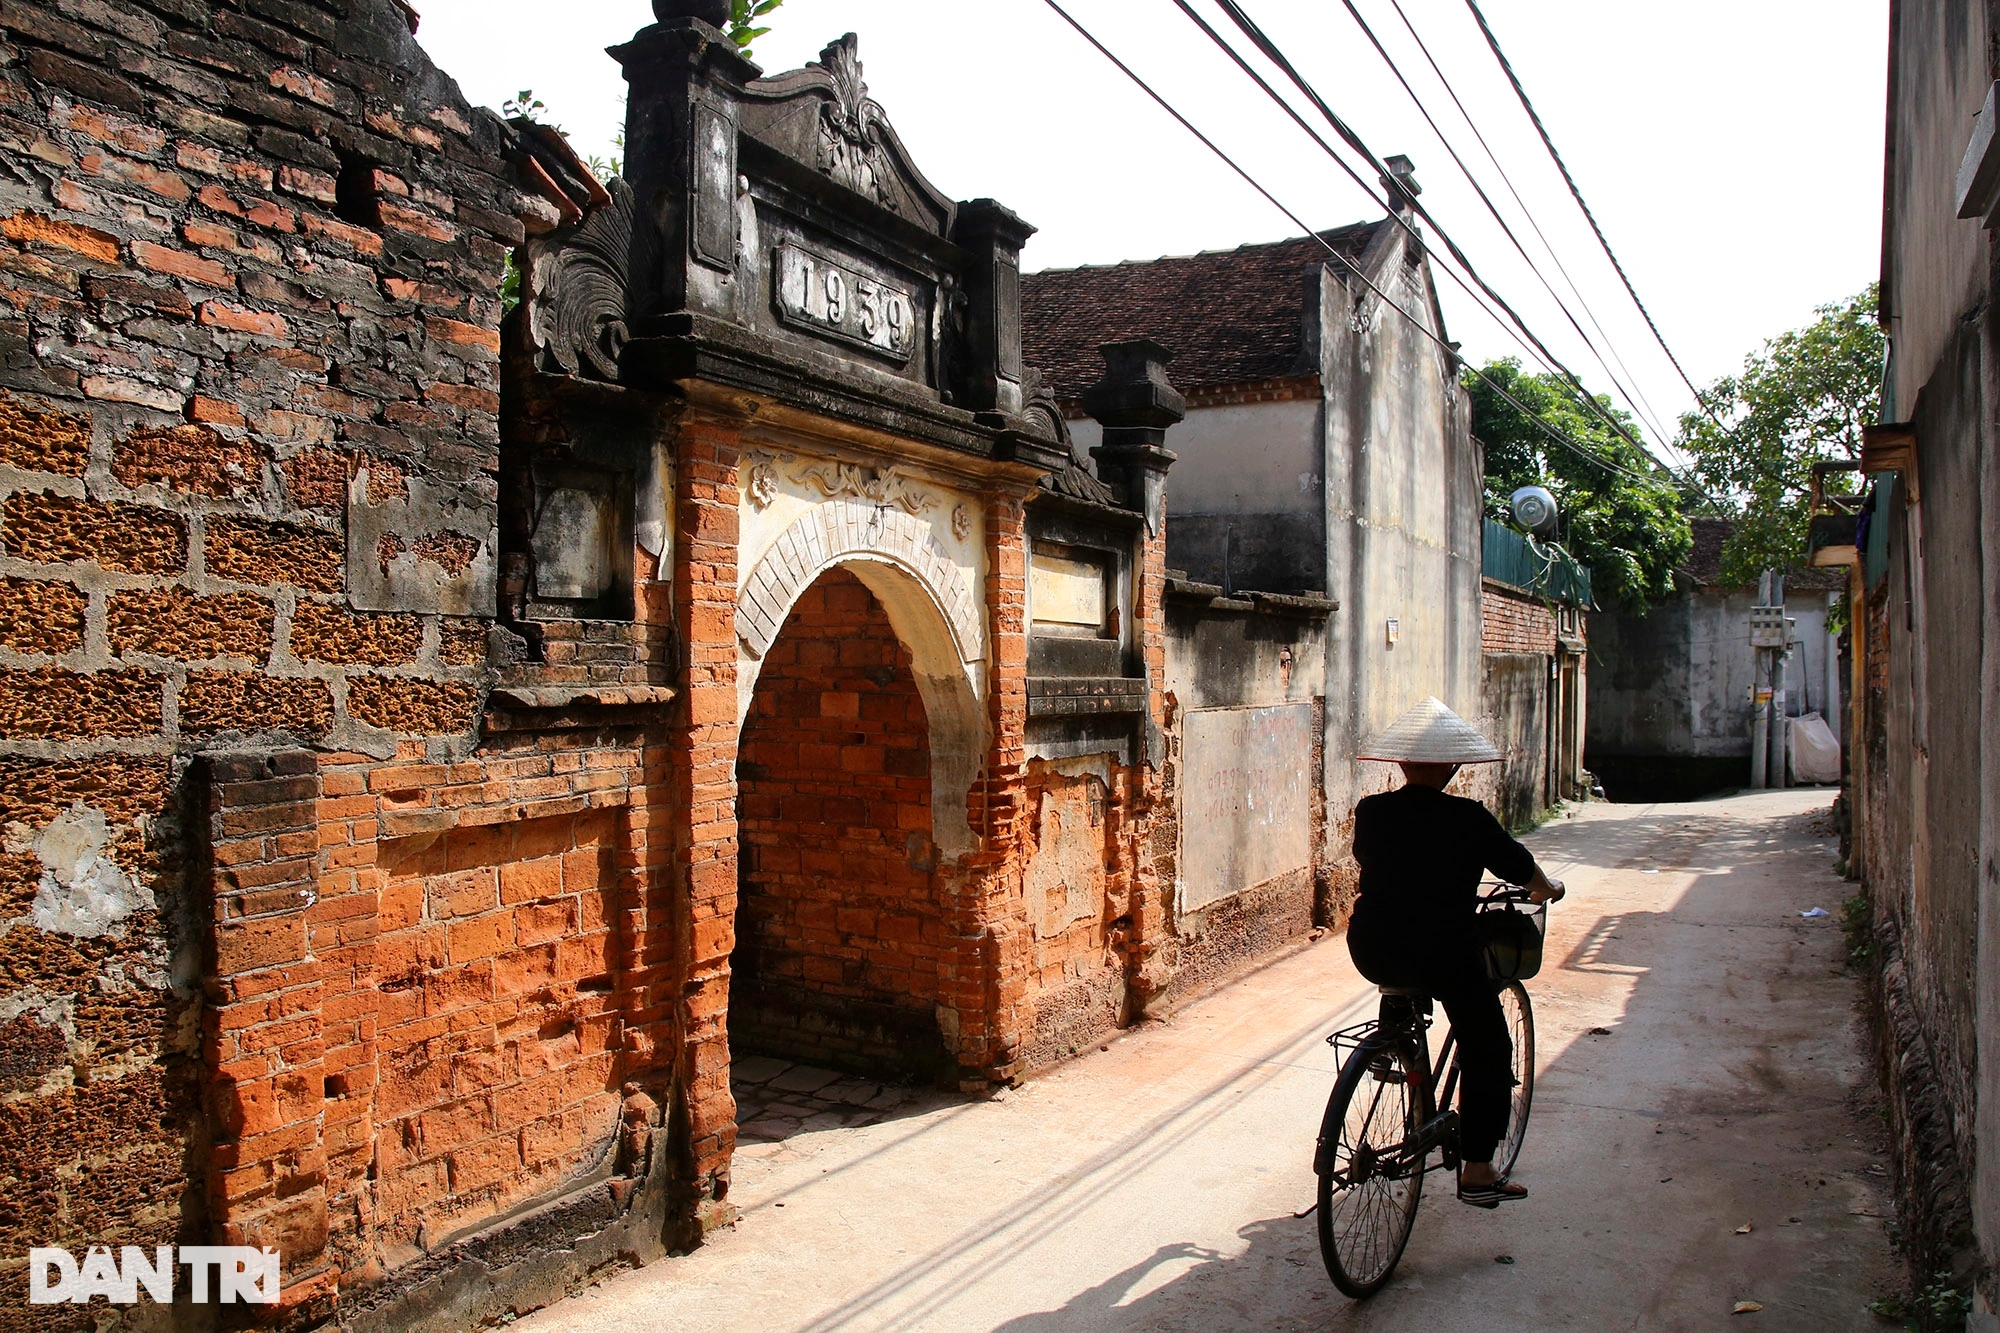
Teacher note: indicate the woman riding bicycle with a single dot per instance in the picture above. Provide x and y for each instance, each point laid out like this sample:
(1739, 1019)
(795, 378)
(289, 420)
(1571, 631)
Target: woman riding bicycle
(1416, 923)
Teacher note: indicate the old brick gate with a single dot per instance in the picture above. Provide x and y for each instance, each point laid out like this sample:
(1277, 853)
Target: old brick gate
(428, 735)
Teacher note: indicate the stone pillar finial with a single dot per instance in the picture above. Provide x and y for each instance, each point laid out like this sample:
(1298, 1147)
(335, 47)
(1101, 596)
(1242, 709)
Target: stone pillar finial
(715, 13)
(1135, 403)
(994, 235)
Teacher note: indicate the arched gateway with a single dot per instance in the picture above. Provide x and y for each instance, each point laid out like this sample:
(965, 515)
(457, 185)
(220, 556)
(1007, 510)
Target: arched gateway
(780, 422)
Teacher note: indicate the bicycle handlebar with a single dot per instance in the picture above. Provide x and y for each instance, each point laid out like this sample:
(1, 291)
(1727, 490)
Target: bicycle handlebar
(1515, 893)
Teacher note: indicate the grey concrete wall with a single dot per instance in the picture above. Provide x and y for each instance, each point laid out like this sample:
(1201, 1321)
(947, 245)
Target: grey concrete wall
(1931, 709)
(1931, 819)
(1245, 686)
(1676, 682)
(1404, 497)
(1934, 264)
(1244, 501)
(1516, 695)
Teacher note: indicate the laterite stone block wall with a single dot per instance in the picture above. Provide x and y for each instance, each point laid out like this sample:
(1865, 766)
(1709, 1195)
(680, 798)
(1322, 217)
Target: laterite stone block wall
(839, 932)
(250, 266)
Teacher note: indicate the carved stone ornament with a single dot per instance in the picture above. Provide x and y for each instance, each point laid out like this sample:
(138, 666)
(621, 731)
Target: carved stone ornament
(884, 486)
(850, 131)
(578, 303)
(762, 485)
(821, 115)
(961, 521)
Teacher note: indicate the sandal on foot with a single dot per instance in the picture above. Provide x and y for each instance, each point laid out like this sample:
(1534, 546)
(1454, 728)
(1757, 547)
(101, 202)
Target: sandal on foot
(1491, 1196)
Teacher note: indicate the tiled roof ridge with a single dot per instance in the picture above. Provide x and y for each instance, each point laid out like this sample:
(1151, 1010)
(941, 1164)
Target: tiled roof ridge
(1327, 233)
(1231, 316)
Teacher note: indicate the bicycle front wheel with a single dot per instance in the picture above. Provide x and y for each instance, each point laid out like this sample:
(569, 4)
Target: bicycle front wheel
(1521, 1030)
(1369, 1192)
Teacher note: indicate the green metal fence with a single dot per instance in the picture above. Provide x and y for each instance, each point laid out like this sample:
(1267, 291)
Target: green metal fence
(1542, 568)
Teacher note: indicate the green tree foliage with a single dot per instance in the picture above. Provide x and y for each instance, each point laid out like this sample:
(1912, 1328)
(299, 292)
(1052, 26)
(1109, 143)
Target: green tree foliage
(1629, 530)
(743, 16)
(1802, 400)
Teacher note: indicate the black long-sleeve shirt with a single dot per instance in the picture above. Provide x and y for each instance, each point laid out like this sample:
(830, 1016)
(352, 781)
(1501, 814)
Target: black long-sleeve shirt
(1422, 854)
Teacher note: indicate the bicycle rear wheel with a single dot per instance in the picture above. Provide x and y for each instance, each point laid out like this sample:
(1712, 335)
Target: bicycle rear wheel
(1520, 1017)
(1369, 1192)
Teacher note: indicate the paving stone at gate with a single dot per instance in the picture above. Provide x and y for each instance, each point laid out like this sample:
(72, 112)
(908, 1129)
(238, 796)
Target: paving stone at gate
(851, 1091)
(756, 1069)
(802, 1078)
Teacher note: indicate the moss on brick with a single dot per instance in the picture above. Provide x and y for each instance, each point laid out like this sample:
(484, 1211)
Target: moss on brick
(322, 633)
(130, 539)
(173, 622)
(57, 705)
(395, 703)
(194, 459)
(250, 551)
(38, 616)
(214, 701)
(43, 441)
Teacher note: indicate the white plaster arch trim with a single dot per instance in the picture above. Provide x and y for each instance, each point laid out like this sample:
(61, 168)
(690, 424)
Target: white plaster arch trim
(848, 529)
(930, 605)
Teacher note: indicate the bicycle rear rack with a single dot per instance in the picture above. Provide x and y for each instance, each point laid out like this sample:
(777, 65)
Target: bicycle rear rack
(1351, 1039)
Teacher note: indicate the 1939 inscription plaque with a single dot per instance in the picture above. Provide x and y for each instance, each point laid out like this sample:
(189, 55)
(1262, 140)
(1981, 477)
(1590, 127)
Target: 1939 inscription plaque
(834, 299)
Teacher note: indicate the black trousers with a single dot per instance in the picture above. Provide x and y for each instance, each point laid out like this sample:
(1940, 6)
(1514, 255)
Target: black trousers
(1453, 972)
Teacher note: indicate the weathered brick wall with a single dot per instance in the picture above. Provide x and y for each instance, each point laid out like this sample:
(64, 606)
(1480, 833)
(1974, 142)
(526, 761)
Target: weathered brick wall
(1515, 623)
(1077, 888)
(839, 931)
(250, 256)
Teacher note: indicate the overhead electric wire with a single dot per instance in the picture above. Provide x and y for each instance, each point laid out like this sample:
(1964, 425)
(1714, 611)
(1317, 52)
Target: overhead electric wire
(1526, 212)
(1493, 43)
(1633, 398)
(1277, 57)
(1533, 344)
(1550, 429)
(1700, 398)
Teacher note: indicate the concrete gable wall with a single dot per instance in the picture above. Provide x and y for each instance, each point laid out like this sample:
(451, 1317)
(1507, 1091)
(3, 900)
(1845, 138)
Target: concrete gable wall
(1933, 262)
(1403, 504)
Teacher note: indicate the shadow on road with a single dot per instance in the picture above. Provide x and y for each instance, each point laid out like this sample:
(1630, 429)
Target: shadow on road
(1721, 1094)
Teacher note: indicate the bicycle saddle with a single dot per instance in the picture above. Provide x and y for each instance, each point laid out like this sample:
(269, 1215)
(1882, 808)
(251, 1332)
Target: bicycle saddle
(1414, 992)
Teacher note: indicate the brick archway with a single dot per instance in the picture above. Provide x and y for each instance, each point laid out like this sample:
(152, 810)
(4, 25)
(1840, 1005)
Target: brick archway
(841, 931)
(934, 610)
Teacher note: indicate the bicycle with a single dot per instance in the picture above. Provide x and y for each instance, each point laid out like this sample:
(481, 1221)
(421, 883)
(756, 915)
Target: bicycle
(1371, 1167)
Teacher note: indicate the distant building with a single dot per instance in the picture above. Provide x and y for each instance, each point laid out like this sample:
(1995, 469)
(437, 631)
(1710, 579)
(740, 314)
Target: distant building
(1670, 690)
(1534, 644)
(1327, 452)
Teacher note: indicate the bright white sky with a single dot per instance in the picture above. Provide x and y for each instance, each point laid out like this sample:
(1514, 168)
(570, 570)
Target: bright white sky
(1731, 149)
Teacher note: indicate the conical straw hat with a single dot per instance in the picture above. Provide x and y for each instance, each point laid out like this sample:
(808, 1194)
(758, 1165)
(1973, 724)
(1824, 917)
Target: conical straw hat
(1430, 733)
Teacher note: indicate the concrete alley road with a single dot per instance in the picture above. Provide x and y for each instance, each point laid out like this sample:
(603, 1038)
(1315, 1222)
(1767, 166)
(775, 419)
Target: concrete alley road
(1700, 1069)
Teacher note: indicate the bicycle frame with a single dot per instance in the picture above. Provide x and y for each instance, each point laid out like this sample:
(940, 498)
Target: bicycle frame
(1439, 1083)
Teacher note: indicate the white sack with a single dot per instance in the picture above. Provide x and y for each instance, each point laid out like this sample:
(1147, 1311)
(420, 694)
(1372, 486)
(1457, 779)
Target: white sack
(1815, 750)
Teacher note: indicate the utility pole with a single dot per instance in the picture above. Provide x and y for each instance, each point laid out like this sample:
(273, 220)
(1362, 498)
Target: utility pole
(1781, 681)
(1769, 636)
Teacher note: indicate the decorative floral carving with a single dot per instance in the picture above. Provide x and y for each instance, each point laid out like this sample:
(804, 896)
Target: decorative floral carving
(850, 135)
(961, 521)
(763, 482)
(882, 485)
(578, 304)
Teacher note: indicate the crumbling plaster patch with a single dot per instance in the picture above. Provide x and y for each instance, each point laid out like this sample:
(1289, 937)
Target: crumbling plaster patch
(82, 892)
